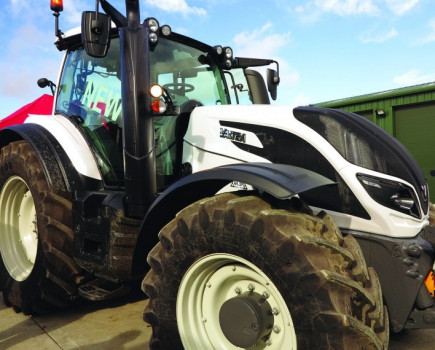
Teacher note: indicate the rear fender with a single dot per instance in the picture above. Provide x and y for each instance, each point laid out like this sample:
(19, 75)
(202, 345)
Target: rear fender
(72, 141)
(279, 180)
(60, 172)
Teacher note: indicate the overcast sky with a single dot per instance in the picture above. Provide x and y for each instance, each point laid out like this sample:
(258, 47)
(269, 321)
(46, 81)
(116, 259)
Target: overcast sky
(327, 49)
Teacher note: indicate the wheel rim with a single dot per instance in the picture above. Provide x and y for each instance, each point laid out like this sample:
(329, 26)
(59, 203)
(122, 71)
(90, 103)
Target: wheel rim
(18, 229)
(216, 281)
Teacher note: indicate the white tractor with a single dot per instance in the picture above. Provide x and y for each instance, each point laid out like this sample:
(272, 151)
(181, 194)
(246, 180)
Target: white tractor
(251, 226)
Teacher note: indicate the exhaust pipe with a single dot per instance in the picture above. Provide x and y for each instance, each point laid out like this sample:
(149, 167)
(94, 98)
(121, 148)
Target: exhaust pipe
(138, 130)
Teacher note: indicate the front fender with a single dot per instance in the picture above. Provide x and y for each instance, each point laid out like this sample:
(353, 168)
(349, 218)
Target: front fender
(279, 180)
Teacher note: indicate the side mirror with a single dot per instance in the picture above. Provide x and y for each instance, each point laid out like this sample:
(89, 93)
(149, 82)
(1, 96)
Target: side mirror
(44, 82)
(257, 87)
(272, 82)
(96, 33)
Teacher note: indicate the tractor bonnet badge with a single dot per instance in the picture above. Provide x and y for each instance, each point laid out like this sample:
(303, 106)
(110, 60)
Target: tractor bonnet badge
(233, 135)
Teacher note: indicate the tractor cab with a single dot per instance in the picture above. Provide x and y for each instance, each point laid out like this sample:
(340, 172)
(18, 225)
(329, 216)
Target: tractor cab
(182, 74)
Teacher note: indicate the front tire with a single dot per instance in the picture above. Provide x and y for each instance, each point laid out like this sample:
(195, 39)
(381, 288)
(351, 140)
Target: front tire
(223, 258)
(37, 272)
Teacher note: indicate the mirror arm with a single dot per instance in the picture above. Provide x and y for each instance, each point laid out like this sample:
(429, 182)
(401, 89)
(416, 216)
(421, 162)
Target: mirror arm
(277, 78)
(117, 17)
(234, 86)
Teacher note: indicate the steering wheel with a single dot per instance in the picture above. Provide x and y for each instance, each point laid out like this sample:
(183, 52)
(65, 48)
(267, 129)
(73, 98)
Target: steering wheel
(177, 88)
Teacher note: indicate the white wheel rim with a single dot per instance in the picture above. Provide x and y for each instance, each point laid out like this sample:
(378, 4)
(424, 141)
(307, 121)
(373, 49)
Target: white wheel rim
(210, 282)
(18, 229)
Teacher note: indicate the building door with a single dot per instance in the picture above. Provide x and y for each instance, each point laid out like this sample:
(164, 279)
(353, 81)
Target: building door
(414, 126)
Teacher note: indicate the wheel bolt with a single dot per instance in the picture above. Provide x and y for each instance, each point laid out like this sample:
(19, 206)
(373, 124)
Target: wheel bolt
(266, 295)
(251, 287)
(268, 342)
(238, 290)
(275, 311)
(276, 329)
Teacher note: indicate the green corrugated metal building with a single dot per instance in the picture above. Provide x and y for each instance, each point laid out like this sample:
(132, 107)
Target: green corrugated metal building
(406, 113)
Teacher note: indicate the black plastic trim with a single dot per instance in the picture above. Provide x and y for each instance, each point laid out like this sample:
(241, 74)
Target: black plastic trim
(279, 180)
(402, 266)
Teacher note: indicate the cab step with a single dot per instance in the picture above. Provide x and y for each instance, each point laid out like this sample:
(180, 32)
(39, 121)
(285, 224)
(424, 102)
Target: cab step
(101, 289)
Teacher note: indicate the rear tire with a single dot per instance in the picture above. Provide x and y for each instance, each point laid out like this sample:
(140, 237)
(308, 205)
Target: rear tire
(37, 272)
(316, 282)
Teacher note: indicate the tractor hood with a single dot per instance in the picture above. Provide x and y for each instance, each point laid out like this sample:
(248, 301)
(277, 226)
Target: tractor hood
(380, 186)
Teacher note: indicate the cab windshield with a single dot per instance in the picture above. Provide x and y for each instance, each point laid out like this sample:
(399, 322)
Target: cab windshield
(90, 92)
(186, 74)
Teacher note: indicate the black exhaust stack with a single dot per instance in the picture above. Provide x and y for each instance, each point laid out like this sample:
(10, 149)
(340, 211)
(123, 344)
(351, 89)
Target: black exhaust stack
(138, 130)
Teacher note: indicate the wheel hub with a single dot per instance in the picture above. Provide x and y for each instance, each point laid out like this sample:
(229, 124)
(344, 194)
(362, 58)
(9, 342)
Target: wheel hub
(226, 302)
(245, 319)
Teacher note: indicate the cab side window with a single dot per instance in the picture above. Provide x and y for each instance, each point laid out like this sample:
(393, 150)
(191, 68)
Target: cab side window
(90, 92)
(91, 87)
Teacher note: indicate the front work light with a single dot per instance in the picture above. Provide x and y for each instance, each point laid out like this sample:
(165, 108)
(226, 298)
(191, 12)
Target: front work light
(166, 30)
(56, 5)
(153, 38)
(217, 50)
(223, 56)
(152, 24)
(228, 52)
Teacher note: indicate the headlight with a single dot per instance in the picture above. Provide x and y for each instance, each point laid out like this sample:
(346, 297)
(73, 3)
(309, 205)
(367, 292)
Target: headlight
(156, 91)
(392, 194)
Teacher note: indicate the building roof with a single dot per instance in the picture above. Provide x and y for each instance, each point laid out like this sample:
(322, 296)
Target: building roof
(401, 92)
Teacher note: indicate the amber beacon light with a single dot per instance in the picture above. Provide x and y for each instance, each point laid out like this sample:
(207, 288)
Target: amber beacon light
(56, 5)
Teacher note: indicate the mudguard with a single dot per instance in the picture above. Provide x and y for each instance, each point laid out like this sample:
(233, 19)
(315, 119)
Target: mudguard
(58, 169)
(279, 180)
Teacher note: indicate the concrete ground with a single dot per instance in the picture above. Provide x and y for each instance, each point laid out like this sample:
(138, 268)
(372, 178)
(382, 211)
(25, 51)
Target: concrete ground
(106, 325)
(116, 325)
